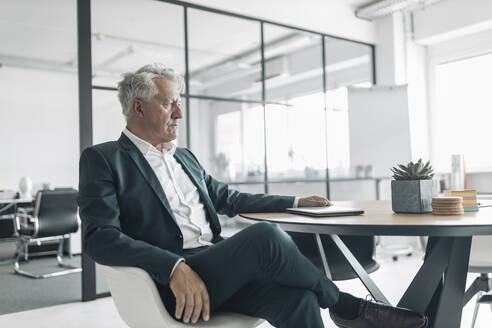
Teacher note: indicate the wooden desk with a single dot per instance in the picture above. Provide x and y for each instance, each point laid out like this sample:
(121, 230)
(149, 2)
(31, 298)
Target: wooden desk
(438, 288)
(16, 201)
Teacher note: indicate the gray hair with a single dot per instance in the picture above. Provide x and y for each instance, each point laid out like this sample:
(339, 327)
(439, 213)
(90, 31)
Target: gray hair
(140, 84)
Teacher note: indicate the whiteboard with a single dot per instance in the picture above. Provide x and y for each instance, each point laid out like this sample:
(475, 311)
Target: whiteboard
(379, 127)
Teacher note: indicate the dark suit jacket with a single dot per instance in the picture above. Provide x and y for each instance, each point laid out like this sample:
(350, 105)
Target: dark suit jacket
(127, 220)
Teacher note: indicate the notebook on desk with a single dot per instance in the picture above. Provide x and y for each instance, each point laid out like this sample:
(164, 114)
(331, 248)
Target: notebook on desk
(326, 211)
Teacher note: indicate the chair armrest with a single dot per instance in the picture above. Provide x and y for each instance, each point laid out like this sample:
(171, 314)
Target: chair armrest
(26, 218)
(24, 221)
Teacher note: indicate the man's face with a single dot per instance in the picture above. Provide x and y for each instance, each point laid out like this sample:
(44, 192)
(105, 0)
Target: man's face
(161, 114)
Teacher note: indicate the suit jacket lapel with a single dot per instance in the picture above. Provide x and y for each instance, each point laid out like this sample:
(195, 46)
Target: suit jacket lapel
(146, 171)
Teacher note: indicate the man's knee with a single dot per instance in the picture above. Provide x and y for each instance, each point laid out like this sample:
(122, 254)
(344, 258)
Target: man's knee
(270, 231)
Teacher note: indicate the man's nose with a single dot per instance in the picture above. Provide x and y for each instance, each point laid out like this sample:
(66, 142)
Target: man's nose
(177, 113)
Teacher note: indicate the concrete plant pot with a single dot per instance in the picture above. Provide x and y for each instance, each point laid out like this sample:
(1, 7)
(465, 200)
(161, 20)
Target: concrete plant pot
(411, 196)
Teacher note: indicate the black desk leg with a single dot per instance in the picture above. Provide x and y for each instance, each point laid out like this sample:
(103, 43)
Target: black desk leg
(450, 303)
(360, 271)
(419, 294)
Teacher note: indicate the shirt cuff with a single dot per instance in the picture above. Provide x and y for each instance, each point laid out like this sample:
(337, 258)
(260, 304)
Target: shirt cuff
(296, 202)
(175, 266)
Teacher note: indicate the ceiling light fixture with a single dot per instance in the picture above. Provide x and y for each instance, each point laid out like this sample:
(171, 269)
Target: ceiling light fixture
(386, 7)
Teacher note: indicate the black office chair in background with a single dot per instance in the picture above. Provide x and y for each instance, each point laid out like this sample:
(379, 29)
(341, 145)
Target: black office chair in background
(362, 247)
(54, 218)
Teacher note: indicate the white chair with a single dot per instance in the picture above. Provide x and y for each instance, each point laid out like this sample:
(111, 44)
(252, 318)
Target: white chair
(139, 304)
(481, 262)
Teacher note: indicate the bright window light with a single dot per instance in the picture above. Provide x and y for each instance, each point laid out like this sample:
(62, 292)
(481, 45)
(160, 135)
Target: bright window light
(463, 116)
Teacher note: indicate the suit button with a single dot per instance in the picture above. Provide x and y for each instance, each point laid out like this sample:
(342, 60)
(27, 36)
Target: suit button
(180, 236)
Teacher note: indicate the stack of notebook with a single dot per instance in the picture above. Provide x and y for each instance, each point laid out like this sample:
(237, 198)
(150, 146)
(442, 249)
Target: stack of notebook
(449, 205)
(470, 203)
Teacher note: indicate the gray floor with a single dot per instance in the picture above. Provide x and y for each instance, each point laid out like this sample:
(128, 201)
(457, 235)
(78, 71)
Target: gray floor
(19, 293)
(393, 277)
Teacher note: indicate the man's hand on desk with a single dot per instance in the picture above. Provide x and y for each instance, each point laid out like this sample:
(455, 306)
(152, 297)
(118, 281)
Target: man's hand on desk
(191, 294)
(313, 201)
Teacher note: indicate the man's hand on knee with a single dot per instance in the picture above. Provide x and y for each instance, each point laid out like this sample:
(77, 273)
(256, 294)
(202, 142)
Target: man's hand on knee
(313, 201)
(191, 294)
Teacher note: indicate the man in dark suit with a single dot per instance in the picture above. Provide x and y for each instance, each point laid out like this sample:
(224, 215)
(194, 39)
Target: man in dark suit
(146, 203)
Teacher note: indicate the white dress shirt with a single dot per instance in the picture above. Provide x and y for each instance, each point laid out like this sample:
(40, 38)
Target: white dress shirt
(181, 193)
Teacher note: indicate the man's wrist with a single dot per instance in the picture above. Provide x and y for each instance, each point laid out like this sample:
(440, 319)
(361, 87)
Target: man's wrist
(175, 266)
(296, 202)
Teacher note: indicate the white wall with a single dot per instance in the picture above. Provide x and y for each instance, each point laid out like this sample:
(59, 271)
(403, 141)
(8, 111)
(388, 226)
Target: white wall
(334, 17)
(39, 127)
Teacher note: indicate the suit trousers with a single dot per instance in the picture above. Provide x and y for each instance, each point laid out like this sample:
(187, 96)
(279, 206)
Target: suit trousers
(260, 272)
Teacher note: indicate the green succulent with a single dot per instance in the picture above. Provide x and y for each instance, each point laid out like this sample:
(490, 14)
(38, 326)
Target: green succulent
(413, 171)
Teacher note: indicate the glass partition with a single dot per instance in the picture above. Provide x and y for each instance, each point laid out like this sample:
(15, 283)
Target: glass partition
(224, 56)
(39, 130)
(299, 189)
(296, 139)
(296, 146)
(107, 118)
(227, 138)
(253, 188)
(346, 64)
(129, 34)
(293, 64)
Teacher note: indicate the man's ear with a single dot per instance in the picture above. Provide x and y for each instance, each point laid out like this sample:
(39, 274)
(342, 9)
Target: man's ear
(137, 108)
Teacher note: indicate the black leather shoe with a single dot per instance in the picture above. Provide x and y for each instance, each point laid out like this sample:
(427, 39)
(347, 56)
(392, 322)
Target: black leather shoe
(377, 315)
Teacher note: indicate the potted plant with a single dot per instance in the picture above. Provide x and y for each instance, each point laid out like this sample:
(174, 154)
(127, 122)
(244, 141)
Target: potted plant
(411, 191)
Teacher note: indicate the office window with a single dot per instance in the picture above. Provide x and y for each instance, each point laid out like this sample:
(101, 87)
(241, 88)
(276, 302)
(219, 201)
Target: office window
(461, 120)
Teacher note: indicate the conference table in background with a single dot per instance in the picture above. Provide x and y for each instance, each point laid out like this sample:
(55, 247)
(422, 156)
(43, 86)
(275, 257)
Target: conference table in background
(438, 288)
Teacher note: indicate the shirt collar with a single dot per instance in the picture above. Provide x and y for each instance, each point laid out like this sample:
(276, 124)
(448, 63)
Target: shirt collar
(144, 146)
